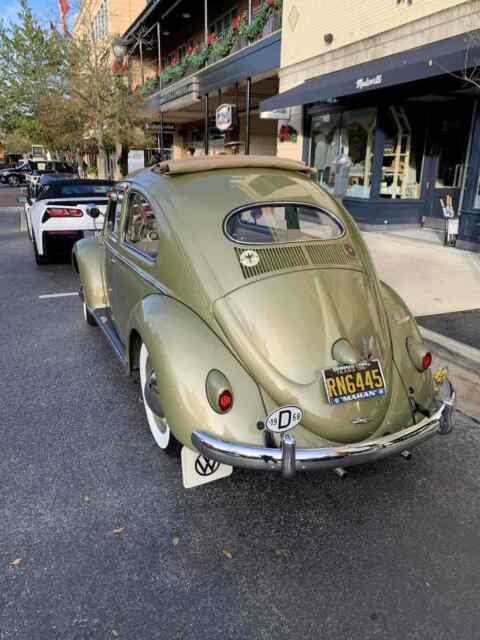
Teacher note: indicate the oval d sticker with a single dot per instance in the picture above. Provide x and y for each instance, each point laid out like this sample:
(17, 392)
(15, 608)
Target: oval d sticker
(284, 419)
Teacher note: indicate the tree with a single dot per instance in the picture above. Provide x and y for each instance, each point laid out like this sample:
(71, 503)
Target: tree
(110, 110)
(30, 63)
(62, 91)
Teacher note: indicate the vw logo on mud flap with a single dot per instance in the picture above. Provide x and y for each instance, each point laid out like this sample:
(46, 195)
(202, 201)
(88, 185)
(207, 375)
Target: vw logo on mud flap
(284, 419)
(205, 467)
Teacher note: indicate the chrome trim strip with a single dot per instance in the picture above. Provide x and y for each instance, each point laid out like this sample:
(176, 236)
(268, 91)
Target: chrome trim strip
(134, 267)
(266, 459)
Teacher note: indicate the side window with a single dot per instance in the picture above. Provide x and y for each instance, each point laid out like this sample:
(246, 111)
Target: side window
(113, 213)
(141, 229)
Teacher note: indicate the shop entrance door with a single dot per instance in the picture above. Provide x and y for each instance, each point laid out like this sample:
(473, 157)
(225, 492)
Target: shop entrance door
(445, 159)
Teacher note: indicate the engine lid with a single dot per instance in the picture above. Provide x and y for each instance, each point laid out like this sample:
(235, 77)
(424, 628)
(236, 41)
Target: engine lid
(284, 328)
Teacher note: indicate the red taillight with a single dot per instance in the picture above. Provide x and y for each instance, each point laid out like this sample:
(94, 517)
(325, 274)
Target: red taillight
(426, 360)
(225, 401)
(64, 213)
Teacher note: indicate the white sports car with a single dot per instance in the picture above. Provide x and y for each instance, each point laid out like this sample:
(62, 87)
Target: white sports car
(58, 216)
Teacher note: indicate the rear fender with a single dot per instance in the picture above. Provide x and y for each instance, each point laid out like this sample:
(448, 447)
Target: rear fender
(403, 325)
(184, 350)
(88, 260)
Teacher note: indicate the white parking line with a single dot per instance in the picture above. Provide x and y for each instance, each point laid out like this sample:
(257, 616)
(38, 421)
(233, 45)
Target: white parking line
(57, 295)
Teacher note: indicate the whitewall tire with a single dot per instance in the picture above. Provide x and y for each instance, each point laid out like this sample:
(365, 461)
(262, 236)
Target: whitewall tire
(158, 424)
(87, 316)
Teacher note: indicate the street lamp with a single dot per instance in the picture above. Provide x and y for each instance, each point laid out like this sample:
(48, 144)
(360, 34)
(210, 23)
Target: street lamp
(119, 51)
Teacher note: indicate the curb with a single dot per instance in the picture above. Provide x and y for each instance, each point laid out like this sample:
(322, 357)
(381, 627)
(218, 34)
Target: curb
(469, 356)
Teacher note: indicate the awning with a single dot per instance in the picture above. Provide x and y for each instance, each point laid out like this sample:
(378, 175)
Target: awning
(438, 58)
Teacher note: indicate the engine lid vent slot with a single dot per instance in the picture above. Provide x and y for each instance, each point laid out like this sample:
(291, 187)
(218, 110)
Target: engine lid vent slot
(286, 258)
(335, 254)
(273, 259)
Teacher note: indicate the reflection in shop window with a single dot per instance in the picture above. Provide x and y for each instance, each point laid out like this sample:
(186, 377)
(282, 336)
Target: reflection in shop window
(357, 139)
(326, 147)
(404, 129)
(342, 151)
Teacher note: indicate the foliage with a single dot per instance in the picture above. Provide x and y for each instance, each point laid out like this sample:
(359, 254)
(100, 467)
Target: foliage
(148, 87)
(17, 144)
(30, 64)
(217, 48)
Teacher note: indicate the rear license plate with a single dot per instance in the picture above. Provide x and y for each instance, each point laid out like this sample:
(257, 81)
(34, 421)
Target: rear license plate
(360, 381)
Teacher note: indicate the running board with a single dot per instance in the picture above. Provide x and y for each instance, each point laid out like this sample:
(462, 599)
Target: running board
(102, 317)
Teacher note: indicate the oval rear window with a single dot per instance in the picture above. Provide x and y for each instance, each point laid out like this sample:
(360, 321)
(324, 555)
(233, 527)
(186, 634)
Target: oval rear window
(280, 223)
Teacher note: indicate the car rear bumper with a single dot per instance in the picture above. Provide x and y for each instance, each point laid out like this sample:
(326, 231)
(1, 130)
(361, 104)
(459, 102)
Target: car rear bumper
(288, 459)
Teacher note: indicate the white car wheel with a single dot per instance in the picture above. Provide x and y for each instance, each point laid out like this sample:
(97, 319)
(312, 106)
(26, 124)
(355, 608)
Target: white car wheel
(87, 316)
(158, 424)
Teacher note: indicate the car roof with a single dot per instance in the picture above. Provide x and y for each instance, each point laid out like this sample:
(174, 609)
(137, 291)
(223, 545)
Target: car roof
(212, 163)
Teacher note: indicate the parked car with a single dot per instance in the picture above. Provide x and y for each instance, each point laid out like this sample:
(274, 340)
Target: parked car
(57, 218)
(31, 168)
(7, 165)
(52, 168)
(246, 298)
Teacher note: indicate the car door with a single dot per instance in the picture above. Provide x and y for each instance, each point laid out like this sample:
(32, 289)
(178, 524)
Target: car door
(111, 240)
(137, 261)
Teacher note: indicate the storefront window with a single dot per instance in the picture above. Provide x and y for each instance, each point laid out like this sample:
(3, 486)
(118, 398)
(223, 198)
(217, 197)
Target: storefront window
(342, 151)
(357, 140)
(404, 129)
(326, 147)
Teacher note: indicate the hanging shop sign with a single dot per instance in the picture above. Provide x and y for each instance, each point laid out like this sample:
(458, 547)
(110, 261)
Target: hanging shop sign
(226, 117)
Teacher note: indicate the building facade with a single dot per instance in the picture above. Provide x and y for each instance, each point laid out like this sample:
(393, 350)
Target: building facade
(188, 58)
(378, 95)
(106, 18)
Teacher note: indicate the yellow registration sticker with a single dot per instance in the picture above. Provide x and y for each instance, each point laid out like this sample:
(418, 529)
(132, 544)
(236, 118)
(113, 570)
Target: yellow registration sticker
(360, 381)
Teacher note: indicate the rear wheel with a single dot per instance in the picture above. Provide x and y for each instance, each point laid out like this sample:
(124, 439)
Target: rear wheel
(39, 259)
(158, 424)
(13, 181)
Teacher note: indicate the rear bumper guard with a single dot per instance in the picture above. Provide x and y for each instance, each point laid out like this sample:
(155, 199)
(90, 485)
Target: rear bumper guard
(287, 459)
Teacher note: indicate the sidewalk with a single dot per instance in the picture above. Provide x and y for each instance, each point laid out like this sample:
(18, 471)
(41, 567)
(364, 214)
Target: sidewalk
(431, 278)
(443, 284)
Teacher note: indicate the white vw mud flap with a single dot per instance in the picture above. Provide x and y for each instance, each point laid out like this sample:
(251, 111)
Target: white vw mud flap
(197, 470)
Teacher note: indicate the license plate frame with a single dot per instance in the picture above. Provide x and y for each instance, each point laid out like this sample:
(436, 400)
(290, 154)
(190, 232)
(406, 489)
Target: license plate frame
(341, 392)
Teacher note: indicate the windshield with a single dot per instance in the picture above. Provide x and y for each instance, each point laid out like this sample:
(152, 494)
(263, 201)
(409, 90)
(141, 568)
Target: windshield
(277, 223)
(56, 190)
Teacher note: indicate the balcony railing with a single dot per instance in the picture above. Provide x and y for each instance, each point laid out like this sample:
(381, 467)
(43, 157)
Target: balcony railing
(266, 20)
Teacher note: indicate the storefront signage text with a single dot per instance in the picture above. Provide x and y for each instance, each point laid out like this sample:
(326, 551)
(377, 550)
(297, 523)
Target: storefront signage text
(364, 83)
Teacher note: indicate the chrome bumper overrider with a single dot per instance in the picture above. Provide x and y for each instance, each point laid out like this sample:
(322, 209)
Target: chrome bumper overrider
(288, 459)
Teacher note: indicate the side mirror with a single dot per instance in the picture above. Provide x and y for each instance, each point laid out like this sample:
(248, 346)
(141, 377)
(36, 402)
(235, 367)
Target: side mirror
(93, 211)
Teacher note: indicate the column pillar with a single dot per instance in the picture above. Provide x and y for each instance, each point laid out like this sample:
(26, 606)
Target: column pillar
(248, 106)
(205, 124)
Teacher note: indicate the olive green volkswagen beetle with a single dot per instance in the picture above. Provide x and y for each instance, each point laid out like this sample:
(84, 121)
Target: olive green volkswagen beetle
(246, 299)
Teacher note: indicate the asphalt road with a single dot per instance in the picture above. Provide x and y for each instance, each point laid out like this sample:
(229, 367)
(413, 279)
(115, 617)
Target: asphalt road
(391, 551)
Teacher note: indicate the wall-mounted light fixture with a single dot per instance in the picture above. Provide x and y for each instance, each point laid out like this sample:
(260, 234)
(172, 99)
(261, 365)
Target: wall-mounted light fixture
(328, 38)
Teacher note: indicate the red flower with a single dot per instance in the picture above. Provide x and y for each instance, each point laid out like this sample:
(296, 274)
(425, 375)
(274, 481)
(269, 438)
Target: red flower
(173, 61)
(211, 38)
(271, 3)
(236, 22)
(190, 51)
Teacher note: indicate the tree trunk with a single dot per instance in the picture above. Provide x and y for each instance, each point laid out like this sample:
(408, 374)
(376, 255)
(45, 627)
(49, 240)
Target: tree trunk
(101, 155)
(117, 174)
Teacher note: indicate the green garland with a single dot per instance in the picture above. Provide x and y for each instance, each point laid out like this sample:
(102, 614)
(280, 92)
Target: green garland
(218, 49)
